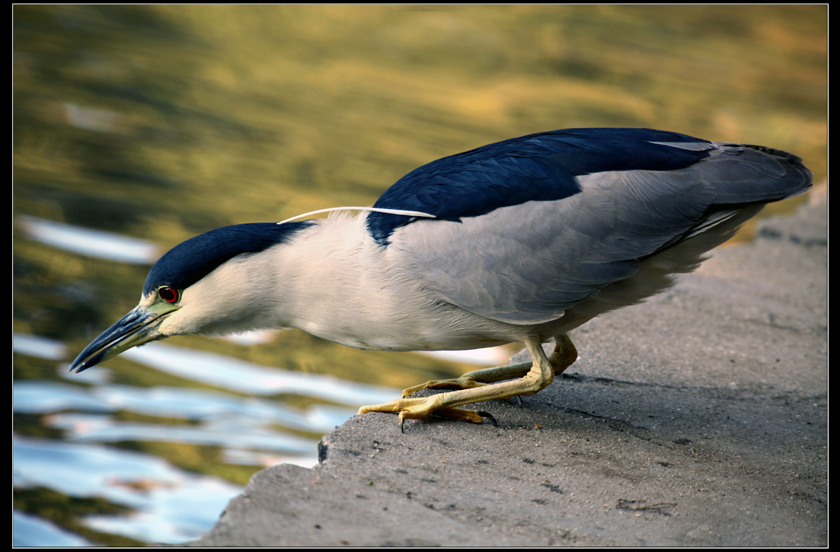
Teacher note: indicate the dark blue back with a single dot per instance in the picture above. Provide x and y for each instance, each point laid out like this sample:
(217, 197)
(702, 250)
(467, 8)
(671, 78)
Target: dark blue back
(537, 167)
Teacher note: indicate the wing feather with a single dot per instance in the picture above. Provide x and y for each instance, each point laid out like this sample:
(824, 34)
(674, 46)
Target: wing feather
(528, 256)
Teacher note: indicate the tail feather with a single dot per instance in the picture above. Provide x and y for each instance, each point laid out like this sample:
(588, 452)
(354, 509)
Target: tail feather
(746, 174)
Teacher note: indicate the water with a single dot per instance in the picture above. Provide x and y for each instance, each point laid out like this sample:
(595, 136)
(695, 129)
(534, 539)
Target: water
(169, 505)
(29, 530)
(93, 243)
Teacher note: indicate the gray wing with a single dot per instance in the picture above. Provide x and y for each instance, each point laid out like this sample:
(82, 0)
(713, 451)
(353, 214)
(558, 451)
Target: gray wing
(528, 263)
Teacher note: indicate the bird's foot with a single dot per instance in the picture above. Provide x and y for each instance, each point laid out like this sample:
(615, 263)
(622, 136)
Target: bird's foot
(423, 407)
(483, 385)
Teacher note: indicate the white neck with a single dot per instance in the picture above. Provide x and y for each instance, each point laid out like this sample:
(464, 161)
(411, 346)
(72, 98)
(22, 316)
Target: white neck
(341, 287)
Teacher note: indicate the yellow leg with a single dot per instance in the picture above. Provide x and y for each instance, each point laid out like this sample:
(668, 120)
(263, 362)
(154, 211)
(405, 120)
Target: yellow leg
(476, 378)
(484, 385)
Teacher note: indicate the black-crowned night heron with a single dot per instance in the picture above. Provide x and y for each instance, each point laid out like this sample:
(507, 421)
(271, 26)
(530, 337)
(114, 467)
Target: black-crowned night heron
(518, 241)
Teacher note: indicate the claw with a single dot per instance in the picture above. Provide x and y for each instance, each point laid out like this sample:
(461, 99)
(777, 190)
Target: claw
(485, 414)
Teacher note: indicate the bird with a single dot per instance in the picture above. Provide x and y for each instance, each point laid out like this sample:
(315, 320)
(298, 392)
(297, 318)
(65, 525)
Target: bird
(518, 241)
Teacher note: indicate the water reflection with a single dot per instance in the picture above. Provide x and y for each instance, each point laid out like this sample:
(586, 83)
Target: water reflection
(29, 530)
(238, 375)
(170, 505)
(93, 243)
(40, 347)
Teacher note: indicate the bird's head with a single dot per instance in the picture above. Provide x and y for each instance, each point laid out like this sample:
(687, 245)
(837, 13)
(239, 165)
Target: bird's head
(211, 283)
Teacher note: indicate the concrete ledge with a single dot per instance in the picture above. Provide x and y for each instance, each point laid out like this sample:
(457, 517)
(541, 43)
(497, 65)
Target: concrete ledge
(696, 419)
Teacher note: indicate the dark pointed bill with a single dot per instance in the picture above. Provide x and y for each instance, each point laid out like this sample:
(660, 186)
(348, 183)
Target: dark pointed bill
(135, 328)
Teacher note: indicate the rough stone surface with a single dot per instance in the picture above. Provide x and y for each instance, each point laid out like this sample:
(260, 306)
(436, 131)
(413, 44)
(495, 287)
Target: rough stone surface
(696, 419)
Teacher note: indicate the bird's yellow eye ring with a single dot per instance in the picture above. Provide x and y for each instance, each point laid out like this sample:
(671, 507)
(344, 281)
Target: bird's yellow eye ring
(169, 294)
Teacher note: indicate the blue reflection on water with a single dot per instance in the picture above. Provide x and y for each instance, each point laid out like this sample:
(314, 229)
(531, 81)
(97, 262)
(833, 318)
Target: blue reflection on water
(245, 377)
(29, 530)
(93, 243)
(171, 505)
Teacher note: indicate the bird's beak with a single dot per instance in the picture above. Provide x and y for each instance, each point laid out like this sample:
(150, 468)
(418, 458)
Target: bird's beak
(135, 328)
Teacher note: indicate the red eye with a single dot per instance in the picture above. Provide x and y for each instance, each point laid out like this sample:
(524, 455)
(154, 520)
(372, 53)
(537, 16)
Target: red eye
(169, 294)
